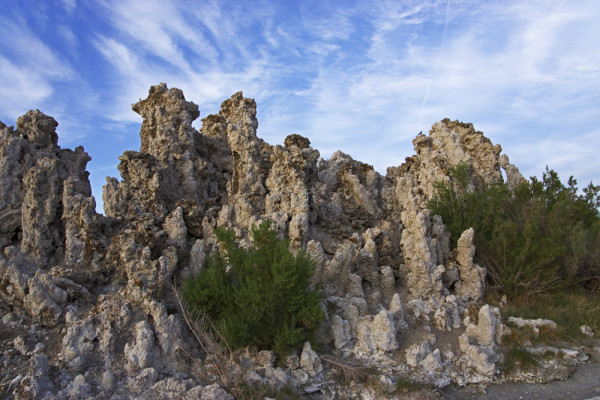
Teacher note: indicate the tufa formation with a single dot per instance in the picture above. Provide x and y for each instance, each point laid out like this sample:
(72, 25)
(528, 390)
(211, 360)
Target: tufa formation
(88, 302)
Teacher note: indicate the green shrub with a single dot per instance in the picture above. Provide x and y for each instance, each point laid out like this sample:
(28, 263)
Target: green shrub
(404, 385)
(245, 391)
(568, 310)
(259, 296)
(462, 208)
(540, 238)
(518, 356)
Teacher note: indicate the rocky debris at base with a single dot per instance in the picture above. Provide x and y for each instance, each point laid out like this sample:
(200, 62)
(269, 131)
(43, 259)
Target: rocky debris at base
(88, 304)
(587, 330)
(534, 324)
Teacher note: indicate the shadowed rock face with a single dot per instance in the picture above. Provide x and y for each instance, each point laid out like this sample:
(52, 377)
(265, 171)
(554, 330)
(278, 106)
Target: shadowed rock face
(98, 291)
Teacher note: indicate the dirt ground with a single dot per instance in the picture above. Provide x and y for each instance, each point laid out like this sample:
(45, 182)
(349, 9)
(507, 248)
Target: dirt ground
(584, 384)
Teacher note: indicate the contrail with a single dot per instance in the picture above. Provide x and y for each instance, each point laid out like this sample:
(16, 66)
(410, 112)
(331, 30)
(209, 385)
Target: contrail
(437, 63)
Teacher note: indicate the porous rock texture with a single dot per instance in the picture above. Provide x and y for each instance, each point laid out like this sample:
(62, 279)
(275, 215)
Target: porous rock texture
(88, 300)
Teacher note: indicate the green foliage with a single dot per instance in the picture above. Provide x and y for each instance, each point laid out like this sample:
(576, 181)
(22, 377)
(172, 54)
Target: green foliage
(259, 296)
(462, 208)
(518, 356)
(404, 385)
(568, 310)
(540, 238)
(245, 391)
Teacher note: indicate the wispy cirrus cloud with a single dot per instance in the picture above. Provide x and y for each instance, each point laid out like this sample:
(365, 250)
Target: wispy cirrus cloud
(24, 84)
(160, 42)
(489, 70)
(364, 77)
(69, 5)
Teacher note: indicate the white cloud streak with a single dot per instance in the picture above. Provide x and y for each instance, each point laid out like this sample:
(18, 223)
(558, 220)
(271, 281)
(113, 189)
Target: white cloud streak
(367, 78)
(500, 78)
(364, 77)
(437, 62)
(28, 69)
(69, 5)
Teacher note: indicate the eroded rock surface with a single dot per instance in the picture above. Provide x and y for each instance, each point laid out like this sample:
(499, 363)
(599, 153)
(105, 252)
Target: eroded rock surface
(88, 301)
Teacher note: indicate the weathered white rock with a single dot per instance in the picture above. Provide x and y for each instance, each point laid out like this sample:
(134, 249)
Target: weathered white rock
(420, 309)
(513, 176)
(388, 284)
(78, 344)
(481, 358)
(418, 352)
(265, 358)
(490, 328)
(337, 270)
(478, 343)
(472, 276)
(253, 378)
(276, 377)
(341, 331)
(14, 282)
(384, 331)
(315, 250)
(107, 381)
(142, 353)
(197, 256)
(310, 361)
(424, 280)
(387, 383)
(20, 345)
(169, 388)
(433, 361)
(213, 392)
(143, 379)
(587, 330)
(398, 310)
(534, 324)
(175, 227)
(80, 388)
(169, 332)
(377, 333)
(40, 304)
(300, 376)
(449, 143)
(447, 316)
(292, 362)
(40, 374)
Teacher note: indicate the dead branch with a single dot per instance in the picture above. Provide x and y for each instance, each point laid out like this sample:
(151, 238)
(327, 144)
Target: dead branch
(350, 371)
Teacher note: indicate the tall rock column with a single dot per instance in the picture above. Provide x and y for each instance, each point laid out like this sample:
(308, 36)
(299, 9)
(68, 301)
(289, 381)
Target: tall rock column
(424, 269)
(167, 168)
(251, 165)
(472, 276)
(31, 199)
(288, 200)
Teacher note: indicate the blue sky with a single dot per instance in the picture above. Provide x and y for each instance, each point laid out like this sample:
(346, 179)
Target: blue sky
(363, 77)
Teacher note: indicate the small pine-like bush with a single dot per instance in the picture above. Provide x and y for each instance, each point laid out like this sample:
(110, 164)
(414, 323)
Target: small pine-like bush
(259, 296)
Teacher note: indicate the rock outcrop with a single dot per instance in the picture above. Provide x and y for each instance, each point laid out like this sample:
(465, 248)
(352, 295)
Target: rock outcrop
(88, 300)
